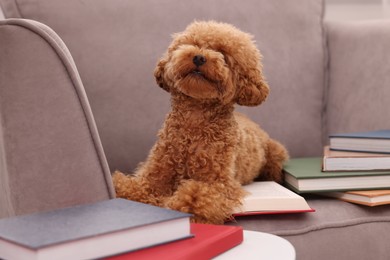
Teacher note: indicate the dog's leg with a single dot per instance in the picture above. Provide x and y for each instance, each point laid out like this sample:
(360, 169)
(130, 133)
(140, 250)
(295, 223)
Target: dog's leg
(275, 155)
(133, 187)
(209, 202)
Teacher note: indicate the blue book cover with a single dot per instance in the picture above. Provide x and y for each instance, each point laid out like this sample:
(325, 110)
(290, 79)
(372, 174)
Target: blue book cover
(372, 141)
(379, 134)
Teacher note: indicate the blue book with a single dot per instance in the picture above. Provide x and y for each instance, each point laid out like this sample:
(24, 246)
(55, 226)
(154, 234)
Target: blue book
(91, 231)
(372, 141)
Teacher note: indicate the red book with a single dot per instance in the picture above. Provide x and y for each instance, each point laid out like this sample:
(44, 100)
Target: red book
(208, 242)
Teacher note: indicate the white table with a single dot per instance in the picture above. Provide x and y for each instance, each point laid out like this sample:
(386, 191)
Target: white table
(259, 245)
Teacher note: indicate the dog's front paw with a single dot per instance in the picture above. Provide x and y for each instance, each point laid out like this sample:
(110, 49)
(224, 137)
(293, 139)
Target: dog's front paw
(123, 184)
(119, 180)
(210, 203)
(133, 188)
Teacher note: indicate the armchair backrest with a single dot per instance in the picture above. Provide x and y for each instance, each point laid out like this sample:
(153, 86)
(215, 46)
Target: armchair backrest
(50, 152)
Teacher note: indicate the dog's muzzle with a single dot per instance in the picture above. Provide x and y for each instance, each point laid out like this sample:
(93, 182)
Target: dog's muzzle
(199, 60)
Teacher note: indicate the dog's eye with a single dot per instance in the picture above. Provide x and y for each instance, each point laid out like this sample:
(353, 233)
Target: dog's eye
(224, 55)
(227, 59)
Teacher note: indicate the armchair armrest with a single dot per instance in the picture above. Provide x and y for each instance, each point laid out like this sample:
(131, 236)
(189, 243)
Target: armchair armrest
(359, 76)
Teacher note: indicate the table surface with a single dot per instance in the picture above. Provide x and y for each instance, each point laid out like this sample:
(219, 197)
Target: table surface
(259, 245)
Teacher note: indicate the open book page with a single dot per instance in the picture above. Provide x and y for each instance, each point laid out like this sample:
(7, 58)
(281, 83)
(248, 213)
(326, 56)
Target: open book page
(271, 196)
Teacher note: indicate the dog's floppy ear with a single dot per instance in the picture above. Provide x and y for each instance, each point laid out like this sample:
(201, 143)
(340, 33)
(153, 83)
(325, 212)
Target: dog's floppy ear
(252, 88)
(159, 73)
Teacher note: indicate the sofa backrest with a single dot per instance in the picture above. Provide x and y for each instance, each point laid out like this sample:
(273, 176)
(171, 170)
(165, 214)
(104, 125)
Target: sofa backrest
(116, 45)
(359, 92)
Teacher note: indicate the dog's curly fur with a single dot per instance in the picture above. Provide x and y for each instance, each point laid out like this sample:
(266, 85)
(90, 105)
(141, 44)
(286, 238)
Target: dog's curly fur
(205, 151)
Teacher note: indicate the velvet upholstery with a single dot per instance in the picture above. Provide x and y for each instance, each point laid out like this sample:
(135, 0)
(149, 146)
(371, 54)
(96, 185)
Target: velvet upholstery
(323, 77)
(337, 230)
(124, 40)
(360, 76)
(51, 155)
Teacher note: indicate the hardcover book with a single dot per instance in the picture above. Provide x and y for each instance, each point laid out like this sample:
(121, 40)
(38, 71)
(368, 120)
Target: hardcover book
(306, 175)
(208, 242)
(364, 197)
(372, 141)
(269, 197)
(90, 231)
(354, 161)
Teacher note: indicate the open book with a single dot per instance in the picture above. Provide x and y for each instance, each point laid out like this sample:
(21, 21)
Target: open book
(269, 197)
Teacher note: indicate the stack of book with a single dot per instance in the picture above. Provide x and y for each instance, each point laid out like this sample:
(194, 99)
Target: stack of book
(117, 228)
(363, 151)
(355, 167)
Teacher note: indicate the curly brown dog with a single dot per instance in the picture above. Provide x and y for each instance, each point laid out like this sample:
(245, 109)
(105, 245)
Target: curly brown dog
(205, 151)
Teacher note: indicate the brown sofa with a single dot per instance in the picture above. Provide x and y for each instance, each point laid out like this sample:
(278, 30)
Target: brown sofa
(324, 78)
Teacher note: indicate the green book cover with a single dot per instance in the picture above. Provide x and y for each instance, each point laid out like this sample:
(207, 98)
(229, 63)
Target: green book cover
(306, 175)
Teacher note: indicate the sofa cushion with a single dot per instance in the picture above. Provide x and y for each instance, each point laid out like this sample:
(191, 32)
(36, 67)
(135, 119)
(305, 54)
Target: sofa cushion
(359, 69)
(337, 230)
(116, 47)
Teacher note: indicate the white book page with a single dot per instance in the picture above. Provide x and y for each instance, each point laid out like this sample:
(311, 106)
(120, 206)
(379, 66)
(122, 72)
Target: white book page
(268, 189)
(271, 196)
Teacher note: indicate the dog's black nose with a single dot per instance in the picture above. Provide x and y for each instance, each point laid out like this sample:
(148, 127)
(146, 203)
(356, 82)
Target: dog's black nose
(199, 60)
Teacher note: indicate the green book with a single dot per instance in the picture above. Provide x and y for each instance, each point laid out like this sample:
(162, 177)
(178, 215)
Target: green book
(306, 175)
